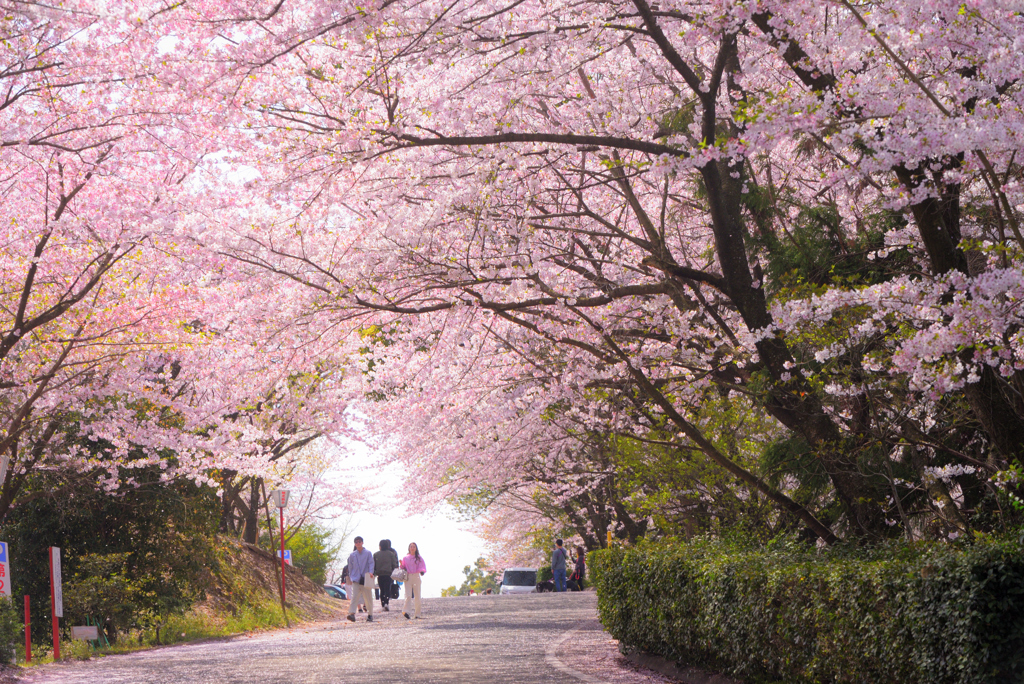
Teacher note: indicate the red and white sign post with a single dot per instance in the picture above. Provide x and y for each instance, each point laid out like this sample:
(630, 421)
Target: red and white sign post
(56, 598)
(5, 571)
(281, 501)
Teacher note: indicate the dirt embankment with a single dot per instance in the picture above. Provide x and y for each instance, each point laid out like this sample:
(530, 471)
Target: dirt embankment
(250, 575)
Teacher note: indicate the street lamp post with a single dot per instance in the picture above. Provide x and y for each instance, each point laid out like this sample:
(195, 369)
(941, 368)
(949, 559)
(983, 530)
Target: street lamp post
(281, 501)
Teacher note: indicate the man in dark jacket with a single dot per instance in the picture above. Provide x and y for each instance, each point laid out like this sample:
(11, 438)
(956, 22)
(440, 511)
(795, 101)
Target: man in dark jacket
(385, 561)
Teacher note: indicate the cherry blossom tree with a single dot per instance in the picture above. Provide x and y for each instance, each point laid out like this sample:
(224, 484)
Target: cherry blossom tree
(125, 343)
(228, 219)
(524, 203)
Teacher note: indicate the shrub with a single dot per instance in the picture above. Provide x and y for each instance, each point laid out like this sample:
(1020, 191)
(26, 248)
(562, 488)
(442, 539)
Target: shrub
(313, 549)
(158, 537)
(102, 591)
(933, 613)
(10, 630)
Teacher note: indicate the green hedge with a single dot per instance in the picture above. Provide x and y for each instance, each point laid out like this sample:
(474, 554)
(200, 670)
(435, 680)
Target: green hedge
(929, 614)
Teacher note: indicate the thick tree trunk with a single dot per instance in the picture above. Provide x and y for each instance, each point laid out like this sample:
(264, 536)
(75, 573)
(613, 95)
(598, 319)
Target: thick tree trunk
(793, 403)
(227, 502)
(251, 519)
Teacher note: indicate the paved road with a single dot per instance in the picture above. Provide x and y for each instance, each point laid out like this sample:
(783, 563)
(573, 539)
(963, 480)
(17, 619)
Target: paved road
(527, 639)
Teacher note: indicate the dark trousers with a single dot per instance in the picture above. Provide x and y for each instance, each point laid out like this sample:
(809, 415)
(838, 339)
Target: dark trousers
(385, 589)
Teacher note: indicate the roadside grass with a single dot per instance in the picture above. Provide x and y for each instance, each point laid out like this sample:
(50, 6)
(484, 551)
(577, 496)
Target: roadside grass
(241, 597)
(201, 625)
(195, 625)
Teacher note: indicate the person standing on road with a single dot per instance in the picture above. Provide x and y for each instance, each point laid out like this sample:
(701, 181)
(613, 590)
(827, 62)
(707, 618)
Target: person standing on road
(416, 567)
(384, 563)
(360, 568)
(579, 573)
(558, 557)
(346, 579)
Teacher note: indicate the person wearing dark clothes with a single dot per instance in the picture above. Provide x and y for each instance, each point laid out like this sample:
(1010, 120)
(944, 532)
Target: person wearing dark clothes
(395, 586)
(579, 573)
(385, 561)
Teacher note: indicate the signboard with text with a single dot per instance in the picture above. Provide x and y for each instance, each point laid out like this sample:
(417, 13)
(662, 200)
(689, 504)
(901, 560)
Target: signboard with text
(280, 497)
(85, 632)
(5, 570)
(287, 556)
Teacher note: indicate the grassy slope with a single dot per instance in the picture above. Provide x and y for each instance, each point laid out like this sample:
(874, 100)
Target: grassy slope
(243, 594)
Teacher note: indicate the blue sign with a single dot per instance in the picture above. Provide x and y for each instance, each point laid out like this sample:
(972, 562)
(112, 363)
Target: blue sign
(5, 571)
(287, 555)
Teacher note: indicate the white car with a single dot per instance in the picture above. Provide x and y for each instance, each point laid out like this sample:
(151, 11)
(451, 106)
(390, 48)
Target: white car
(519, 581)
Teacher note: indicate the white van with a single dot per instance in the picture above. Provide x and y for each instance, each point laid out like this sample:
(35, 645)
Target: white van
(519, 581)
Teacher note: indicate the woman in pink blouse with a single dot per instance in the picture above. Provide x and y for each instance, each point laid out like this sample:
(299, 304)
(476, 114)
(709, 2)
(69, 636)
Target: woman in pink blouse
(416, 567)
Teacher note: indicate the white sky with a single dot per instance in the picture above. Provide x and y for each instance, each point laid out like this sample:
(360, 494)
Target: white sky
(446, 547)
(445, 544)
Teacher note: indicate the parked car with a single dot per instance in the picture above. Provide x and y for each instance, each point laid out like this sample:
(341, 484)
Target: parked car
(519, 581)
(334, 591)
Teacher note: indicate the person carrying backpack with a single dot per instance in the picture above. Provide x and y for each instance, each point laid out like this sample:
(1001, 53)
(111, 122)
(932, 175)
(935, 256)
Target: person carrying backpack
(384, 562)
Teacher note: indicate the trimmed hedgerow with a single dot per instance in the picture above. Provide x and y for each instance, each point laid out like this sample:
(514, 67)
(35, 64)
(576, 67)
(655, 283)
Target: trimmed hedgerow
(932, 614)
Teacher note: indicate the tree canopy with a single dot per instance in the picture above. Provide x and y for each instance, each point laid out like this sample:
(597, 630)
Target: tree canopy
(599, 265)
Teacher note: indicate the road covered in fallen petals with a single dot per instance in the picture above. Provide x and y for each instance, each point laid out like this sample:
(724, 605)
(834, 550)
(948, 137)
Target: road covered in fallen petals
(526, 639)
